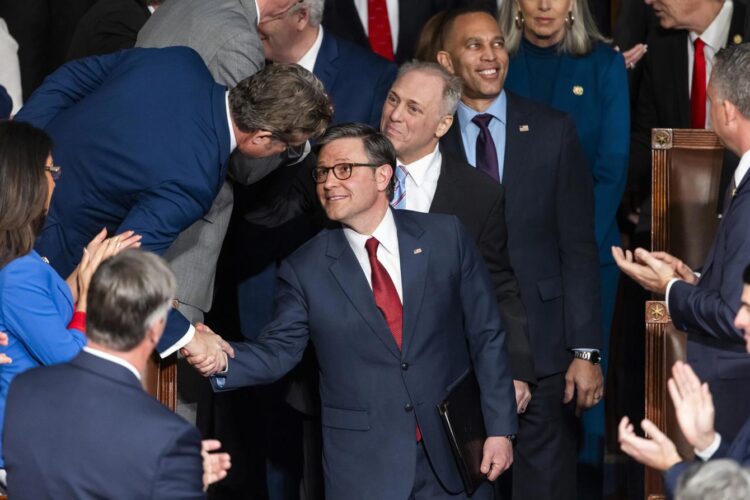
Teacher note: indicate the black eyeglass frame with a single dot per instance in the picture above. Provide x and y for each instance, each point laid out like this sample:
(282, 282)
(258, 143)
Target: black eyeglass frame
(342, 177)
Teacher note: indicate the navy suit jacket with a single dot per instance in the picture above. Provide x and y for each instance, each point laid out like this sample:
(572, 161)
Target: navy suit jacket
(716, 349)
(6, 104)
(142, 136)
(549, 210)
(601, 111)
(373, 394)
(87, 429)
(356, 79)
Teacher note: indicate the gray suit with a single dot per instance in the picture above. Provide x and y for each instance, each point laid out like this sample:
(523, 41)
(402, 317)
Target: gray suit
(224, 33)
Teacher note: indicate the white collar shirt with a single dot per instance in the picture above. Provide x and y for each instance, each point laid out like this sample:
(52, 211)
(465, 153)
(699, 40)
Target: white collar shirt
(232, 138)
(308, 60)
(741, 171)
(422, 180)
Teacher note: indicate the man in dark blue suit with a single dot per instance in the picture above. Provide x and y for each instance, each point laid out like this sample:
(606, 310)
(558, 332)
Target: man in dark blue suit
(144, 136)
(534, 152)
(399, 308)
(694, 409)
(706, 306)
(87, 429)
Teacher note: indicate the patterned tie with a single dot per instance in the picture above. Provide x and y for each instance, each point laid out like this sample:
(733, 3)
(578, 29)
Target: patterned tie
(486, 152)
(698, 88)
(399, 188)
(379, 28)
(386, 296)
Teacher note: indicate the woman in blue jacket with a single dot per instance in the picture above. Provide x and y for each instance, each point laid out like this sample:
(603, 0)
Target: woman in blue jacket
(558, 57)
(36, 305)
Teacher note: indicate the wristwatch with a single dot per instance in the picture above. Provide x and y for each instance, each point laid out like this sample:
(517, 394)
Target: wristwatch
(591, 356)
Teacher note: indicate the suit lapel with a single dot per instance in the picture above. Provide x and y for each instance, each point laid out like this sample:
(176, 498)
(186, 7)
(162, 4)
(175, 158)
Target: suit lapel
(563, 96)
(517, 143)
(326, 65)
(445, 187)
(737, 28)
(680, 76)
(414, 259)
(452, 142)
(348, 273)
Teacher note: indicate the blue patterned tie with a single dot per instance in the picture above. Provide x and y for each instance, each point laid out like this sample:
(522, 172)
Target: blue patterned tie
(486, 152)
(399, 189)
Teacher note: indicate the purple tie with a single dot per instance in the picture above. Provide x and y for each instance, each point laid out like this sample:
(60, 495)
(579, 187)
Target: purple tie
(486, 152)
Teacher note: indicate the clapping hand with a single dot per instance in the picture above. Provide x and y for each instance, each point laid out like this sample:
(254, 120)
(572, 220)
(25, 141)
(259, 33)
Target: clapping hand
(693, 405)
(4, 359)
(207, 352)
(215, 465)
(652, 273)
(658, 451)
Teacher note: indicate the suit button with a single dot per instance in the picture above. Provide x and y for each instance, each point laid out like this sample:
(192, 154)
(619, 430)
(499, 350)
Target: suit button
(408, 407)
(404, 366)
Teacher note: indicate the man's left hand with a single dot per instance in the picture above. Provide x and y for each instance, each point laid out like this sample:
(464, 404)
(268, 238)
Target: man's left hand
(658, 452)
(585, 380)
(651, 273)
(497, 456)
(215, 465)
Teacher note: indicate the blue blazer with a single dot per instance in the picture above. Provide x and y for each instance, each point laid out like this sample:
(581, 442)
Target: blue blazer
(35, 308)
(549, 212)
(601, 111)
(356, 79)
(87, 430)
(142, 136)
(373, 394)
(716, 349)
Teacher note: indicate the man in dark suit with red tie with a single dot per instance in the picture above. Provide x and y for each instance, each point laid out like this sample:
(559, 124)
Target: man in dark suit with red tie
(399, 308)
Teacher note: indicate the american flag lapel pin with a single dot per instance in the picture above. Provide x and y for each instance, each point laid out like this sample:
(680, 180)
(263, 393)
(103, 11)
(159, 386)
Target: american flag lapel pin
(523, 128)
(417, 251)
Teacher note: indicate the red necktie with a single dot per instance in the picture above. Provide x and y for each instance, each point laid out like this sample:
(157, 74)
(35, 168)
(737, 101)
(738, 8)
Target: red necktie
(386, 297)
(379, 28)
(698, 89)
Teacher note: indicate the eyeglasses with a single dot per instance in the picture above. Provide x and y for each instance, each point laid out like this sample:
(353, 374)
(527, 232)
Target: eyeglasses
(54, 171)
(279, 15)
(342, 171)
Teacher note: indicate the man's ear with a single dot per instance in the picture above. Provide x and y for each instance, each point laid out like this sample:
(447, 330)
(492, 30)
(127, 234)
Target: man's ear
(729, 112)
(383, 176)
(443, 125)
(444, 58)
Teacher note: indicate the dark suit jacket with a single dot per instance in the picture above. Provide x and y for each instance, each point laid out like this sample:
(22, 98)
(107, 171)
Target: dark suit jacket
(370, 391)
(341, 18)
(664, 99)
(86, 429)
(108, 26)
(356, 79)
(484, 219)
(143, 138)
(716, 349)
(549, 210)
(6, 104)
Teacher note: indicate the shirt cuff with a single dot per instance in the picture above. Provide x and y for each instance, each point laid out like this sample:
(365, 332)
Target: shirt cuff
(709, 452)
(584, 349)
(666, 294)
(180, 343)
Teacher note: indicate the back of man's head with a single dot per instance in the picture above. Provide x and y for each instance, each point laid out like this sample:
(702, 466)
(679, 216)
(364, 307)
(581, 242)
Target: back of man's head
(730, 76)
(714, 480)
(127, 295)
(284, 99)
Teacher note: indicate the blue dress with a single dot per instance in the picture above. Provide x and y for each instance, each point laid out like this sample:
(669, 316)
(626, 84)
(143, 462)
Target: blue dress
(35, 307)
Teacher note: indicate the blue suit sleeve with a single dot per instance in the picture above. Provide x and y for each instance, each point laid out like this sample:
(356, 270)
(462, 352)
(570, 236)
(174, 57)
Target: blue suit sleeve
(176, 328)
(280, 345)
(610, 166)
(67, 86)
(180, 469)
(33, 317)
(704, 311)
(486, 340)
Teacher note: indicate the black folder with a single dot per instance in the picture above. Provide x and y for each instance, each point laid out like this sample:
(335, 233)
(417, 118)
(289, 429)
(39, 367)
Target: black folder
(461, 413)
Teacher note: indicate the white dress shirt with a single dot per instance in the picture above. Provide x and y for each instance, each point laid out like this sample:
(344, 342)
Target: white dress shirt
(715, 38)
(10, 71)
(422, 181)
(387, 254)
(308, 60)
(232, 138)
(739, 174)
(113, 359)
(393, 14)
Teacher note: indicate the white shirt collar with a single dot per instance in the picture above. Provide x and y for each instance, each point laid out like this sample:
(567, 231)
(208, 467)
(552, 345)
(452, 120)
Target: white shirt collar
(257, 13)
(151, 8)
(715, 36)
(742, 168)
(418, 170)
(232, 138)
(112, 358)
(385, 233)
(308, 60)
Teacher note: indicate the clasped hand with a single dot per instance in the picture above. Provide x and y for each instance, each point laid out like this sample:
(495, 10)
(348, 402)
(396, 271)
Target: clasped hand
(207, 352)
(652, 270)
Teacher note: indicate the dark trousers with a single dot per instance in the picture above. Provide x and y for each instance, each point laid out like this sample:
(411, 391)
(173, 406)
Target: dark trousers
(428, 487)
(544, 458)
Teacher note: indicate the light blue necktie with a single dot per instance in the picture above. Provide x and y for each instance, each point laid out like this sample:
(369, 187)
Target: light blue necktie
(399, 189)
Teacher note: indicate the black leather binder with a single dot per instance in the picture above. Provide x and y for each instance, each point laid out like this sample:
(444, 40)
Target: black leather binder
(461, 413)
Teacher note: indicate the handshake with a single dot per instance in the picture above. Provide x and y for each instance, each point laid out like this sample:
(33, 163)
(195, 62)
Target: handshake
(207, 352)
